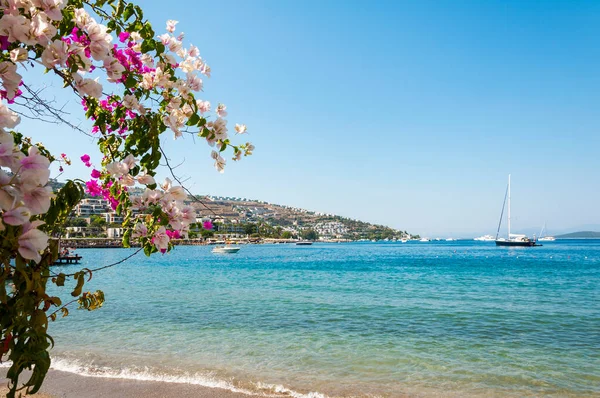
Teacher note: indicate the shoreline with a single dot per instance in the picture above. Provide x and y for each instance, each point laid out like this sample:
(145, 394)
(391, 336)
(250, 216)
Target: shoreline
(62, 384)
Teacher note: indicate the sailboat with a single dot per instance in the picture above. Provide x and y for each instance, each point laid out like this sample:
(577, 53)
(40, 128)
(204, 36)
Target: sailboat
(512, 239)
(543, 238)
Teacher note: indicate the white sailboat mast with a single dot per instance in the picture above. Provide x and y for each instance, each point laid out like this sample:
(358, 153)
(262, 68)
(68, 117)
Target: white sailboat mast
(509, 207)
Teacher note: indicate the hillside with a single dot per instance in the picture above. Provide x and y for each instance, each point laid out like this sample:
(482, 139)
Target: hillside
(233, 215)
(293, 219)
(580, 235)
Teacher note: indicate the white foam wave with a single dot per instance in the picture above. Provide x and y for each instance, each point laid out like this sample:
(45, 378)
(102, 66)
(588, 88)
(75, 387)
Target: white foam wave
(205, 380)
(281, 390)
(200, 379)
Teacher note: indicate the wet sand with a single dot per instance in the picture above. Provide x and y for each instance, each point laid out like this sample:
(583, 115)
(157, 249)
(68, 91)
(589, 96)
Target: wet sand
(60, 384)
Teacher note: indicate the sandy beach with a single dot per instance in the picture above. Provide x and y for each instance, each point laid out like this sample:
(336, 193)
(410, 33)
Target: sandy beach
(60, 384)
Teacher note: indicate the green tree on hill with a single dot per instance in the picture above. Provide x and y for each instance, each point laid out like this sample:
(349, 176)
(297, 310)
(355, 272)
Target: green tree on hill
(250, 229)
(310, 234)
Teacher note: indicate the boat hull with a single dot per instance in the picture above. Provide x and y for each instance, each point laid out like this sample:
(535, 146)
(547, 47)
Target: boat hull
(226, 249)
(529, 243)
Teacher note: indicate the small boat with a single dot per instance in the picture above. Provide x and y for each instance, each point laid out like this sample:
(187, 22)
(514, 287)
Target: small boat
(485, 238)
(226, 249)
(512, 239)
(304, 243)
(404, 240)
(424, 240)
(450, 240)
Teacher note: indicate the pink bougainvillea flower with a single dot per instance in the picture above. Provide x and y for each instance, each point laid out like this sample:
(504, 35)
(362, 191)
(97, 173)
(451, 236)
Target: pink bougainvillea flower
(208, 225)
(93, 188)
(175, 234)
(95, 174)
(4, 43)
(123, 36)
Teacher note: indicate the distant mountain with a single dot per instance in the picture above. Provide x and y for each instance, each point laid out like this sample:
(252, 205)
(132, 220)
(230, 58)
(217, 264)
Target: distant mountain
(580, 235)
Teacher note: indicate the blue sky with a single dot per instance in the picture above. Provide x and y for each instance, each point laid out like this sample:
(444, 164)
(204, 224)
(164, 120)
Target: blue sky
(405, 113)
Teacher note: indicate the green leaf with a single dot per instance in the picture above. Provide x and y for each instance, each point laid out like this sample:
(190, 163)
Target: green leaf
(193, 120)
(148, 45)
(131, 81)
(128, 12)
(160, 48)
(80, 281)
(60, 279)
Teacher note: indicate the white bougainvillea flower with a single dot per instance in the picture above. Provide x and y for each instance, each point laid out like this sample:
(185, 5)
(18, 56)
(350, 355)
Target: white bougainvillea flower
(89, 87)
(10, 156)
(17, 216)
(146, 179)
(38, 199)
(8, 118)
(221, 110)
(171, 25)
(32, 242)
(203, 106)
(18, 55)
(16, 28)
(129, 161)
(160, 239)
(56, 53)
(193, 51)
(219, 161)
(240, 128)
(177, 193)
(10, 78)
(82, 18)
(34, 169)
(140, 230)
(117, 169)
(100, 45)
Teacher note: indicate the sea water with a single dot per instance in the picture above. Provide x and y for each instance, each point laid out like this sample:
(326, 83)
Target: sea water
(420, 319)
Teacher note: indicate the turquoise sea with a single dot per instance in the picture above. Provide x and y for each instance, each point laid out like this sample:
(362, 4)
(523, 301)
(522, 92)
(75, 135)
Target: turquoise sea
(456, 319)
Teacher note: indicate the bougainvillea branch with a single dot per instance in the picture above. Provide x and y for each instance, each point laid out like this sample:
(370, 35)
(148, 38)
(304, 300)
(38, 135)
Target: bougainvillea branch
(133, 86)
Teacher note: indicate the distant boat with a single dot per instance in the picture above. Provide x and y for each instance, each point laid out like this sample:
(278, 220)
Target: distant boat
(404, 240)
(545, 238)
(512, 239)
(226, 249)
(304, 243)
(450, 240)
(485, 238)
(424, 240)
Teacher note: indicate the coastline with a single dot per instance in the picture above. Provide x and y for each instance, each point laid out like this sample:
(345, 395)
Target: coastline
(61, 384)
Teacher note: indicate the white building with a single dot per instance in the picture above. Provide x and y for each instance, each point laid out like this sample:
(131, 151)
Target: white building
(88, 207)
(331, 229)
(114, 233)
